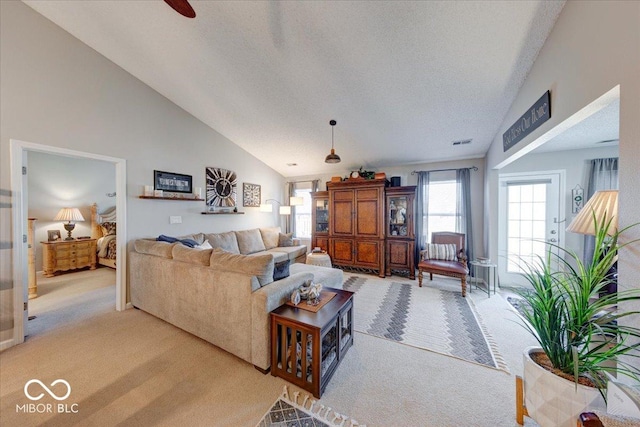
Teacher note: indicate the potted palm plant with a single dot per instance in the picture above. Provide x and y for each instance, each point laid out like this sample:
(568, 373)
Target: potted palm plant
(578, 330)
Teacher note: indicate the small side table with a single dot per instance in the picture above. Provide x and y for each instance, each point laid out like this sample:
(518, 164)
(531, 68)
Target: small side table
(486, 270)
(319, 258)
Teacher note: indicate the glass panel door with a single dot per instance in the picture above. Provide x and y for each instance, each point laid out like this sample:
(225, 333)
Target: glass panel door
(529, 219)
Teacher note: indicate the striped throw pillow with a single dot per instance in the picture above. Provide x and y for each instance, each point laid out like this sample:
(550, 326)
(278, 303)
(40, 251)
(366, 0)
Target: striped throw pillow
(443, 252)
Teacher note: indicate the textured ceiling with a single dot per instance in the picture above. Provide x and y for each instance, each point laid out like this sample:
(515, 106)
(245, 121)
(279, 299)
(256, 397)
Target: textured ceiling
(403, 79)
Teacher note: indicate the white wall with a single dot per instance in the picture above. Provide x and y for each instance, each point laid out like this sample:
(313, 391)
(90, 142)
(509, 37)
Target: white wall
(404, 172)
(55, 90)
(55, 182)
(575, 163)
(593, 47)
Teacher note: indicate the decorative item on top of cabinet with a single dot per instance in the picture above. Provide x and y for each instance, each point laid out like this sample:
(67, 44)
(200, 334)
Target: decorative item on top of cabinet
(400, 239)
(356, 224)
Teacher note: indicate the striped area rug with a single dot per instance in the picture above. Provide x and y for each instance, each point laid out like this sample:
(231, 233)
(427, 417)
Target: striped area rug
(428, 318)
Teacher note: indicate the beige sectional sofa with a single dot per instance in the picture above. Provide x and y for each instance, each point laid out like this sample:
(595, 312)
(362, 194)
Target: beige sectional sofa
(218, 295)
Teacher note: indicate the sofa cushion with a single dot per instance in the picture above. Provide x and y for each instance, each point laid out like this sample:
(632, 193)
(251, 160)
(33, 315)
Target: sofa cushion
(277, 256)
(292, 252)
(191, 255)
(270, 236)
(260, 266)
(225, 241)
(285, 240)
(443, 251)
(250, 241)
(281, 270)
(151, 247)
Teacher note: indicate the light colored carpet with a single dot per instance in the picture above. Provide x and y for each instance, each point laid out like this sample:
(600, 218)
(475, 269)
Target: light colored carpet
(428, 318)
(129, 368)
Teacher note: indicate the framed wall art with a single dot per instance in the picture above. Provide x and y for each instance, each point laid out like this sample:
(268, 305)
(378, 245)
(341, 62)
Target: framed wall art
(172, 182)
(221, 188)
(251, 195)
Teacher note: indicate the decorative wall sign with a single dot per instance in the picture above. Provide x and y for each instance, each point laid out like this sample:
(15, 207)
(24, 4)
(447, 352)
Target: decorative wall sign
(221, 188)
(174, 182)
(251, 195)
(577, 199)
(539, 113)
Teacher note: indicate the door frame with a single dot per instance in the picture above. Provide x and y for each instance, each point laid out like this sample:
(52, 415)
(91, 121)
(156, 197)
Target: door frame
(502, 220)
(18, 150)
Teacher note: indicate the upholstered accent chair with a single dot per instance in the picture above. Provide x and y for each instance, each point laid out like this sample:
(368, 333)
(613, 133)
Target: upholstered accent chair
(445, 256)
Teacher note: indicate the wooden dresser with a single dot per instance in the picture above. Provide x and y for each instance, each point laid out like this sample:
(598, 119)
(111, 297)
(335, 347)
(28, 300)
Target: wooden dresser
(66, 255)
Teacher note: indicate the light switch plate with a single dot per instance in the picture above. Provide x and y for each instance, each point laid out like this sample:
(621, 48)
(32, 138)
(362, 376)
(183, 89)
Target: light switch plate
(175, 220)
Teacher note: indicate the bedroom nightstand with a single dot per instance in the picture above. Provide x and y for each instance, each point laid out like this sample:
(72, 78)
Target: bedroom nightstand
(68, 255)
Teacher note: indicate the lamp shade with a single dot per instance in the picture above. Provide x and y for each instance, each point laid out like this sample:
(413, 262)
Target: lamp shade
(602, 205)
(296, 201)
(285, 210)
(69, 214)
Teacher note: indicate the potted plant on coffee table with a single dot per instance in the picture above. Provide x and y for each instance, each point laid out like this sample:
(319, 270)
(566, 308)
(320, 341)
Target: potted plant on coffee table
(580, 334)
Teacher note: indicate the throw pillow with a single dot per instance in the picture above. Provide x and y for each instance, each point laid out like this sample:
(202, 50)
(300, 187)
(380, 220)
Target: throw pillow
(285, 240)
(280, 270)
(203, 246)
(108, 228)
(443, 252)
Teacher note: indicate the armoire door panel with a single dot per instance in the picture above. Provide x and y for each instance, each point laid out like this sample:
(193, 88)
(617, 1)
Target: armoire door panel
(368, 253)
(342, 218)
(367, 218)
(342, 251)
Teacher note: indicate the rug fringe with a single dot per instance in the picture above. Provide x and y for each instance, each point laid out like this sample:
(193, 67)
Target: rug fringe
(495, 350)
(325, 413)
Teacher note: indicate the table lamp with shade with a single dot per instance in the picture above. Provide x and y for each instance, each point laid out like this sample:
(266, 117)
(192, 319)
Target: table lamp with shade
(71, 216)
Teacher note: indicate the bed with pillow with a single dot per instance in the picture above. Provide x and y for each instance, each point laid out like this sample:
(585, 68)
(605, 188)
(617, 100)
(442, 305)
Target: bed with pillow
(103, 228)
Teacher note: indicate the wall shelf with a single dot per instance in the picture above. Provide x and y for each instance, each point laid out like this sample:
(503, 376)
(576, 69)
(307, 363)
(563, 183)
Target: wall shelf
(222, 213)
(172, 198)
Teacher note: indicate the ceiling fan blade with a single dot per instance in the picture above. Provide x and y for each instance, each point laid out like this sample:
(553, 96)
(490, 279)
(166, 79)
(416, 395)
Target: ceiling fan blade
(182, 7)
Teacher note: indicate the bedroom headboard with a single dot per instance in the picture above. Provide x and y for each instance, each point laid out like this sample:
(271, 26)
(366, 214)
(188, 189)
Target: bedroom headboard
(108, 215)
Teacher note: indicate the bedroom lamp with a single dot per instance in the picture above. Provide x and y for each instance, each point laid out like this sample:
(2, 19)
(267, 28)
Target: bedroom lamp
(604, 205)
(69, 214)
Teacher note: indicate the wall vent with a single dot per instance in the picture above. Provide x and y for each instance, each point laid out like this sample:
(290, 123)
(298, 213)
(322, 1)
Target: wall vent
(462, 142)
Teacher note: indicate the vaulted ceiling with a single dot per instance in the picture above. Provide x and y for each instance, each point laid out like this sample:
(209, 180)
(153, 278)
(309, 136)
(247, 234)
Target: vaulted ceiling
(403, 80)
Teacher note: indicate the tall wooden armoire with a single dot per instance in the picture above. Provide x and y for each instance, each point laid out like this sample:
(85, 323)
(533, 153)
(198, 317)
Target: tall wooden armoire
(356, 223)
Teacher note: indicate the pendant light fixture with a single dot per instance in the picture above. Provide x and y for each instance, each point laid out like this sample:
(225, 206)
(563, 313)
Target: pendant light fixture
(333, 157)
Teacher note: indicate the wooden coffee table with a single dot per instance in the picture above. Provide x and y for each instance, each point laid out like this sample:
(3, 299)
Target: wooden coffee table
(325, 337)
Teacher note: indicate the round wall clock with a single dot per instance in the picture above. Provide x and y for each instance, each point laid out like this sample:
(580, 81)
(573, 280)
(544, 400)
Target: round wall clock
(221, 187)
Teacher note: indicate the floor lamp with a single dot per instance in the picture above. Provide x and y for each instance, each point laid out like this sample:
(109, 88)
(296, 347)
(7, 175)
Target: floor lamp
(602, 208)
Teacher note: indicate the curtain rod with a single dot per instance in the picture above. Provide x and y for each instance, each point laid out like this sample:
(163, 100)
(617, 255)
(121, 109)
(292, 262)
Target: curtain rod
(295, 182)
(443, 170)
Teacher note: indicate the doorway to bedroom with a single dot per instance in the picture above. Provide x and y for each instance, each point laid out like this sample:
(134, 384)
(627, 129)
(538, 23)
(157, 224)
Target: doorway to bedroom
(73, 278)
(73, 281)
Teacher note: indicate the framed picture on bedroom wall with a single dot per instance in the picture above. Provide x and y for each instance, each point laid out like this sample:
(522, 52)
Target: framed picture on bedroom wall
(53, 235)
(172, 182)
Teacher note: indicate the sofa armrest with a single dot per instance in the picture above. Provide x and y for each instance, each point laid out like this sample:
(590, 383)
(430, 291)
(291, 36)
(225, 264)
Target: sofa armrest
(263, 301)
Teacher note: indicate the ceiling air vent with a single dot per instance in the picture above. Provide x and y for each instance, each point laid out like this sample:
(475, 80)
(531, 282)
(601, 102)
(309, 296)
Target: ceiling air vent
(462, 142)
